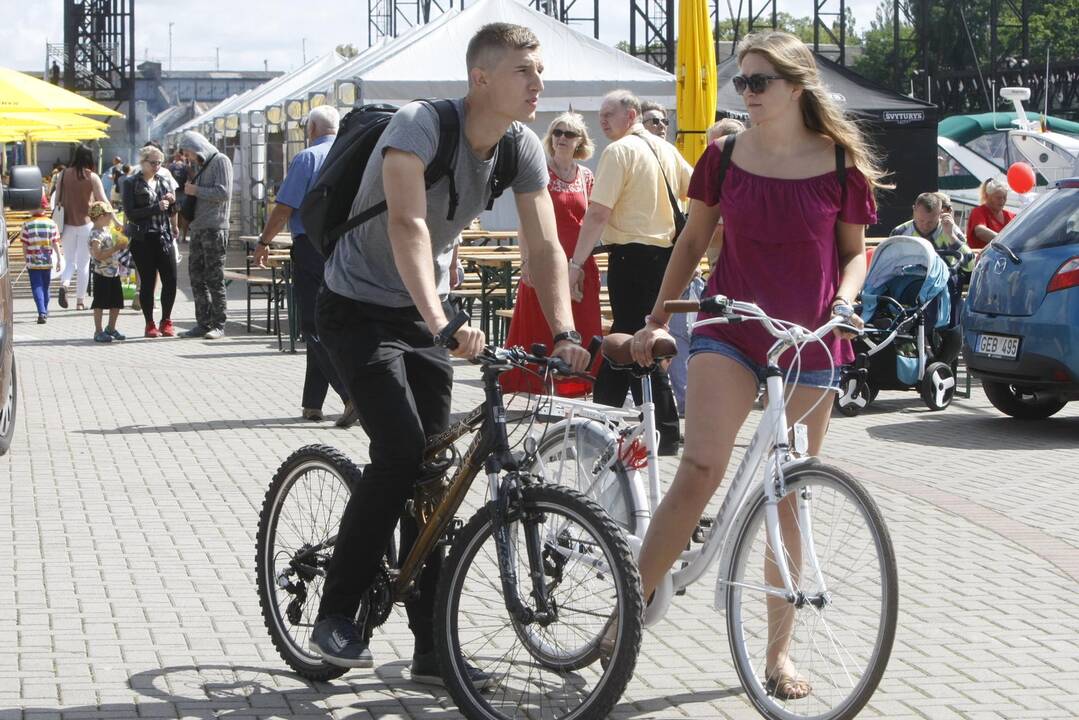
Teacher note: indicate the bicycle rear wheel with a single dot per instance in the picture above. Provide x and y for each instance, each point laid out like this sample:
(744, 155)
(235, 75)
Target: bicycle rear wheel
(838, 640)
(299, 519)
(539, 670)
(578, 456)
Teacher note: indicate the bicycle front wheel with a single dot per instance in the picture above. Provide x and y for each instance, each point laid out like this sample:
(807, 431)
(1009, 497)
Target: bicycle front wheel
(299, 520)
(582, 456)
(837, 634)
(498, 667)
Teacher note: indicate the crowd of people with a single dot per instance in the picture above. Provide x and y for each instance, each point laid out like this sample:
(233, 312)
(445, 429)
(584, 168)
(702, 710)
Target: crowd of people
(779, 208)
(146, 211)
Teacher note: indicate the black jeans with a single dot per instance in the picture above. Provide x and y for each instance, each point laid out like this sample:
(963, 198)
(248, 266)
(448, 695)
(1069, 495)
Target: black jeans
(307, 274)
(154, 256)
(634, 274)
(401, 385)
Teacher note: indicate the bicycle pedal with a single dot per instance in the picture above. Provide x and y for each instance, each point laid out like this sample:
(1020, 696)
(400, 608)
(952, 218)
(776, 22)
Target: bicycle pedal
(700, 533)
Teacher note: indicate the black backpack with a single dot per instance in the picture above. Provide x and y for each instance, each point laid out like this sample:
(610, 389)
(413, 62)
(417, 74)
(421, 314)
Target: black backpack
(326, 207)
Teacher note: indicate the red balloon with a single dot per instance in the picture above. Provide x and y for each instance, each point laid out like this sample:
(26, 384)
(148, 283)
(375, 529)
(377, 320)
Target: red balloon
(1021, 177)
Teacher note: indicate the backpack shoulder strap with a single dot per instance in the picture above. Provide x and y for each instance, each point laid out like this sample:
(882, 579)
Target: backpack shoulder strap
(449, 133)
(505, 171)
(841, 173)
(725, 160)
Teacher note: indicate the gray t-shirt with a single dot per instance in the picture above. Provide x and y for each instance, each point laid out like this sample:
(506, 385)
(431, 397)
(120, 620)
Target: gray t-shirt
(362, 266)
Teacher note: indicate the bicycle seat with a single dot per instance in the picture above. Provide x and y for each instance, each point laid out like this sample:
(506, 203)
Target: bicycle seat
(616, 348)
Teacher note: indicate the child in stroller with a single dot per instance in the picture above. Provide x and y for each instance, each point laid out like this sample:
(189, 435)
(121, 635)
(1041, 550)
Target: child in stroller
(910, 305)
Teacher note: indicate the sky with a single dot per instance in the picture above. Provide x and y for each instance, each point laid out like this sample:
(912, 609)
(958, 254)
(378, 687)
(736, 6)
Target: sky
(245, 34)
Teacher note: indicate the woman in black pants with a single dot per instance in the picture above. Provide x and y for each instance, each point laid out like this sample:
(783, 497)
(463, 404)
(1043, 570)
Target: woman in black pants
(148, 204)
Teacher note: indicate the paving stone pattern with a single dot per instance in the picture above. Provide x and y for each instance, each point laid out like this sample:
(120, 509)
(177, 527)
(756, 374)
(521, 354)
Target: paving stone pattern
(130, 504)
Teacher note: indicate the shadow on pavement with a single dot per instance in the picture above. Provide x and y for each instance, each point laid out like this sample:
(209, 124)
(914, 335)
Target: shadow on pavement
(996, 432)
(203, 425)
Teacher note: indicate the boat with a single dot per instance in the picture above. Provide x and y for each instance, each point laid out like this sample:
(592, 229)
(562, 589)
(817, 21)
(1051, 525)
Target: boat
(972, 148)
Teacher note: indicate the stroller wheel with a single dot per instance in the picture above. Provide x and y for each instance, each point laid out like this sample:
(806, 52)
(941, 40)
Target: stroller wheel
(938, 386)
(853, 396)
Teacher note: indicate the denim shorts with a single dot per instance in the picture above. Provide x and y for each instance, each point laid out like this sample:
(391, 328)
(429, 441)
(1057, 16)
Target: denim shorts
(826, 379)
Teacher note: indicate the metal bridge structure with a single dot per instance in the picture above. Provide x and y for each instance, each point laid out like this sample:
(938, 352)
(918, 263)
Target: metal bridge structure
(97, 57)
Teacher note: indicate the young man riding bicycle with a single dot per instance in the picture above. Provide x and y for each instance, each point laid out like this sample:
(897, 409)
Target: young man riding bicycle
(382, 313)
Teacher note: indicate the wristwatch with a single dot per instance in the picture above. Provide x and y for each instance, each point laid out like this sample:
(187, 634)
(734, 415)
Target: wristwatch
(572, 335)
(264, 243)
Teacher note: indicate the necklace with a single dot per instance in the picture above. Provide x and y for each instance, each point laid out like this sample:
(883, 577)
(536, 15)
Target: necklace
(566, 174)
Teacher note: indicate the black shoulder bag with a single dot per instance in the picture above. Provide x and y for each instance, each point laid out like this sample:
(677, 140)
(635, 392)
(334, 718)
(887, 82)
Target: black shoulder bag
(187, 207)
(676, 209)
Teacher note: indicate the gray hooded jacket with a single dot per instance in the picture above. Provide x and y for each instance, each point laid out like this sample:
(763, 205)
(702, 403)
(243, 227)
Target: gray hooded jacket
(215, 183)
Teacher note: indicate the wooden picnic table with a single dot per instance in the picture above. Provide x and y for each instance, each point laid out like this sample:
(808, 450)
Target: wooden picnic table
(485, 238)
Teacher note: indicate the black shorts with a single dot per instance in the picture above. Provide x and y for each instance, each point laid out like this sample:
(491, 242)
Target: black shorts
(108, 293)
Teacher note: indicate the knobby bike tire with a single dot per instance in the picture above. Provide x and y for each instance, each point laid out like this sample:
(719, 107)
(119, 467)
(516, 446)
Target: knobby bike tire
(473, 702)
(339, 468)
(823, 482)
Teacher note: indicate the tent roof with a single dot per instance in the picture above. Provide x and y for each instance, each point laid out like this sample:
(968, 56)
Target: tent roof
(964, 128)
(857, 95)
(578, 69)
(259, 97)
(285, 87)
(356, 66)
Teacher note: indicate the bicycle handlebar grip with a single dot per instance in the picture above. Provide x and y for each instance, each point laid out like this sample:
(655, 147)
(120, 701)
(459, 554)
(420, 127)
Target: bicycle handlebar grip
(446, 334)
(682, 306)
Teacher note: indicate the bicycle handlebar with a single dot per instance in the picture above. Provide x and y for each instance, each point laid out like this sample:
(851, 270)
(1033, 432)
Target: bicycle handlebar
(733, 311)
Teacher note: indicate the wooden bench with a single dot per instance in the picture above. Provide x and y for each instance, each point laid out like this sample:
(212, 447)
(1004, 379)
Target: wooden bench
(263, 285)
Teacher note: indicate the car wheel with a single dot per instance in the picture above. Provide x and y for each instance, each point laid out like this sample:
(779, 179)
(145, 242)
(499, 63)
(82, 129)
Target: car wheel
(7, 412)
(938, 386)
(1020, 403)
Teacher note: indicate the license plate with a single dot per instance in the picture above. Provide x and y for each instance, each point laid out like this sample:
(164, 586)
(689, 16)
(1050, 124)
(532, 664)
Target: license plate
(1001, 346)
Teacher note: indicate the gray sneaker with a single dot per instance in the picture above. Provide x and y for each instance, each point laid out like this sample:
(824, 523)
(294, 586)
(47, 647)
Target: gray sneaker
(425, 671)
(214, 334)
(195, 332)
(339, 642)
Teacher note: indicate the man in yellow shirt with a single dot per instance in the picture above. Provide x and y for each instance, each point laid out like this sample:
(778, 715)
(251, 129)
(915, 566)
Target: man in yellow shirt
(630, 210)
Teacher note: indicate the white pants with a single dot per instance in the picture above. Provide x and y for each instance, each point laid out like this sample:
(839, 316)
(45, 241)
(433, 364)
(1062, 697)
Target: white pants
(76, 242)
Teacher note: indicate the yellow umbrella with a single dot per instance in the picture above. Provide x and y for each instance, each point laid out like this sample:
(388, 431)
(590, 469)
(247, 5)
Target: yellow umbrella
(20, 92)
(48, 121)
(695, 61)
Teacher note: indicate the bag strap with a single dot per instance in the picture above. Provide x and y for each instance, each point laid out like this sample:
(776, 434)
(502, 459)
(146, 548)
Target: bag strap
(205, 164)
(725, 160)
(505, 166)
(841, 172)
(675, 207)
(449, 130)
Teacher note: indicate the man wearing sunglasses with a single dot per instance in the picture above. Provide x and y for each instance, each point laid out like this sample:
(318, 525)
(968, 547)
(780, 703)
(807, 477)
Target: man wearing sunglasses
(631, 211)
(654, 118)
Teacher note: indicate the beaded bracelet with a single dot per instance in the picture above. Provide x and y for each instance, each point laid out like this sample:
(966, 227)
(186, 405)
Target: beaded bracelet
(652, 319)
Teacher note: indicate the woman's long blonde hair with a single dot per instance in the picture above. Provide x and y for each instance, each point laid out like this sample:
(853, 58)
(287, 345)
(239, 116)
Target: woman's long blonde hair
(793, 61)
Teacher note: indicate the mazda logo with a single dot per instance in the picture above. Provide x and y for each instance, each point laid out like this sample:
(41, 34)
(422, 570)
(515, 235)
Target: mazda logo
(999, 266)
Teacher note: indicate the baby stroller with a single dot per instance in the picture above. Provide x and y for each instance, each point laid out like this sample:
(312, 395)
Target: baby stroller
(910, 304)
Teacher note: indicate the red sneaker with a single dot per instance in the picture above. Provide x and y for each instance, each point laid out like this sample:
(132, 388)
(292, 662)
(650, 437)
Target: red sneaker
(151, 330)
(167, 329)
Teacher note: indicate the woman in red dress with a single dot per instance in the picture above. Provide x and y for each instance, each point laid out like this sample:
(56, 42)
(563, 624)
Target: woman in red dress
(570, 185)
(990, 217)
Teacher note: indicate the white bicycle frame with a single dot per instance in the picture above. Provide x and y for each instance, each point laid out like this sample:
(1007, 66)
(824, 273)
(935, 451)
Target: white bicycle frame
(769, 440)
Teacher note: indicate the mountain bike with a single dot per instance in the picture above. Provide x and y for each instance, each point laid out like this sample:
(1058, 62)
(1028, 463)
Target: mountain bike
(837, 577)
(529, 585)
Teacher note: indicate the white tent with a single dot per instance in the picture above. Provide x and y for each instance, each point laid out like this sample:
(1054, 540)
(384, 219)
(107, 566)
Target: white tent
(578, 72)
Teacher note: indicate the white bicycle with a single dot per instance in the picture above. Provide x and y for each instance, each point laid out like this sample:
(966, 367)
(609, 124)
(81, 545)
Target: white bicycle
(838, 577)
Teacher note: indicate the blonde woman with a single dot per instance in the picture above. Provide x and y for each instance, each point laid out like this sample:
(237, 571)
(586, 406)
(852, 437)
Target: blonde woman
(990, 217)
(566, 142)
(150, 206)
(794, 243)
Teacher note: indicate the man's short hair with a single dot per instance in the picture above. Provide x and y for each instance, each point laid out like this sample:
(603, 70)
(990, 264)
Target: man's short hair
(626, 99)
(928, 200)
(647, 105)
(491, 41)
(324, 118)
(724, 127)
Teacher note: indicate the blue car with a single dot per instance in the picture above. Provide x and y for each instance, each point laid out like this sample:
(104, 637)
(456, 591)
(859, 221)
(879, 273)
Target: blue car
(1021, 317)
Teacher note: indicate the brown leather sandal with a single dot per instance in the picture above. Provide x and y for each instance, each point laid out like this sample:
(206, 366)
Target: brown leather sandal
(784, 686)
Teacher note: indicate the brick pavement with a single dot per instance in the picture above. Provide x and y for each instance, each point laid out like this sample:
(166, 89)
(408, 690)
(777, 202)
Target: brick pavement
(134, 483)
